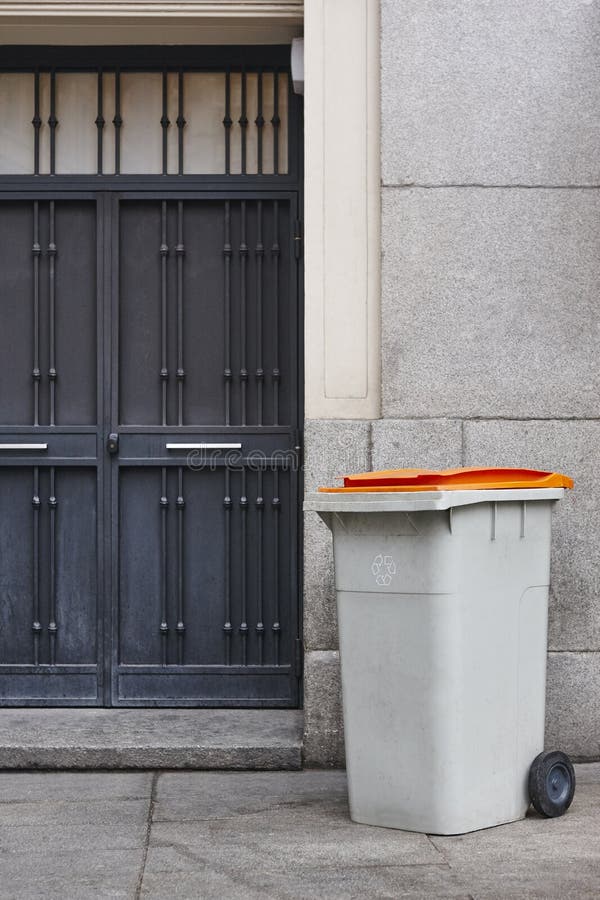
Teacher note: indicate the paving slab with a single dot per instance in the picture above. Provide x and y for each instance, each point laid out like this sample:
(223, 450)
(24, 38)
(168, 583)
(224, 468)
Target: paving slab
(57, 812)
(193, 796)
(72, 875)
(42, 840)
(51, 786)
(343, 882)
(150, 739)
(275, 842)
(270, 836)
(279, 835)
(549, 859)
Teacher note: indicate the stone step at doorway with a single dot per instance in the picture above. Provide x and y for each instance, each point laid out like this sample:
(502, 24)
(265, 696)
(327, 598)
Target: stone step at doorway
(150, 739)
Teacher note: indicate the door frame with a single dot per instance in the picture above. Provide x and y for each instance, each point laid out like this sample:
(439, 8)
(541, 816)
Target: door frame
(103, 189)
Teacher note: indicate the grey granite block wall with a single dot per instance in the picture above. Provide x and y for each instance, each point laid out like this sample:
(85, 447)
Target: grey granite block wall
(489, 324)
(491, 278)
(416, 443)
(323, 724)
(573, 696)
(572, 447)
(331, 449)
(489, 301)
(490, 92)
(573, 704)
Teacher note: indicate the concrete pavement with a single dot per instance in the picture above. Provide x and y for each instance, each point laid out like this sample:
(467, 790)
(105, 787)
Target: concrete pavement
(263, 835)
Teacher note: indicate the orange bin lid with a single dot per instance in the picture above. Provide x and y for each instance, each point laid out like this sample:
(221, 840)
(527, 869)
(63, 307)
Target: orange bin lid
(478, 478)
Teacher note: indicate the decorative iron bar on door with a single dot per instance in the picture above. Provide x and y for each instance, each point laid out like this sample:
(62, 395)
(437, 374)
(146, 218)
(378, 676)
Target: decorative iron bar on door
(169, 122)
(210, 276)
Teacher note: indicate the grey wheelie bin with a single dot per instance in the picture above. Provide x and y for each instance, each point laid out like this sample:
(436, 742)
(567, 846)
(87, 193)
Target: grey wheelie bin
(442, 596)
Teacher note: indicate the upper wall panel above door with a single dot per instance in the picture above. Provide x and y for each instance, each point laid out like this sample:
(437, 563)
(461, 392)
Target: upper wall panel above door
(160, 122)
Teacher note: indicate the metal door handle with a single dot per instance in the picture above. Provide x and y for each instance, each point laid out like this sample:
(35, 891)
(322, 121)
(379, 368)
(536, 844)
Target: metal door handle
(203, 446)
(112, 443)
(23, 446)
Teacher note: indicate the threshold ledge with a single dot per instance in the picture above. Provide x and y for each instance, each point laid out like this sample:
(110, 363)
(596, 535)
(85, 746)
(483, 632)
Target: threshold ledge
(59, 738)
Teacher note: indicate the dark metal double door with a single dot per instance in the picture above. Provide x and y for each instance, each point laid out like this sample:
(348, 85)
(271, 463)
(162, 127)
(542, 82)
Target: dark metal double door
(148, 461)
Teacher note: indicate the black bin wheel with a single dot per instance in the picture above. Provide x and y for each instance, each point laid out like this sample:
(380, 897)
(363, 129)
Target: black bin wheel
(551, 783)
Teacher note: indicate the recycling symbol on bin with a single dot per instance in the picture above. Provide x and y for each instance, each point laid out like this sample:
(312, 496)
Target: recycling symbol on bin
(383, 567)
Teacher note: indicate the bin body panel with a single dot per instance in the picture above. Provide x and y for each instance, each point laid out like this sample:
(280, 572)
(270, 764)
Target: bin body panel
(443, 629)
